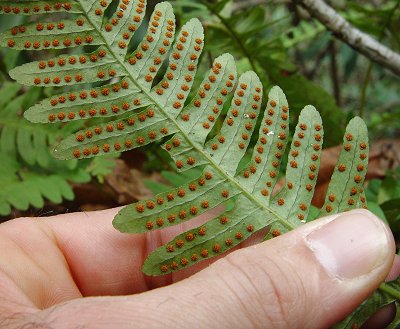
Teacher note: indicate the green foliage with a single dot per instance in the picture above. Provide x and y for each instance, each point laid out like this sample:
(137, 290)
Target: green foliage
(300, 33)
(141, 102)
(29, 173)
(100, 167)
(384, 195)
(379, 97)
(371, 19)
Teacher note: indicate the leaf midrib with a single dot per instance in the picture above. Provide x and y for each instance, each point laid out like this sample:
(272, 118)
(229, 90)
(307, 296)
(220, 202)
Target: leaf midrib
(228, 177)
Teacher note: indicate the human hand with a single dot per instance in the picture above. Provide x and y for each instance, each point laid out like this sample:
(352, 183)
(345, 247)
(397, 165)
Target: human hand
(76, 271)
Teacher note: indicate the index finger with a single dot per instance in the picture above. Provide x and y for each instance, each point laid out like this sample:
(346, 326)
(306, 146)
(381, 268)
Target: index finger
(56, 259)
(104, 261)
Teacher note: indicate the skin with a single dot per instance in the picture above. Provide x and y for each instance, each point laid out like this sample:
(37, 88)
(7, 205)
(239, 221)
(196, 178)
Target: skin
(77, 271)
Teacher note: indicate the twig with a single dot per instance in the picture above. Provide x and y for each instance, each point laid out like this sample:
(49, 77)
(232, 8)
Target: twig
(334, 72)
(360, 41)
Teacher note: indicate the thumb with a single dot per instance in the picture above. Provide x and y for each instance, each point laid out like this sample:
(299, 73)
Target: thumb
(309, 278)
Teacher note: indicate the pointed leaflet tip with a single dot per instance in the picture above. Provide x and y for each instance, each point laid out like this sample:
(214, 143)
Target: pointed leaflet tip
(226, 57)
(194, 21)
(250, 75)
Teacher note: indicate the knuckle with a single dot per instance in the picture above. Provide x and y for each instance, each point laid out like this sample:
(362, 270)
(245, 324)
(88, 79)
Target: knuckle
(269, 292)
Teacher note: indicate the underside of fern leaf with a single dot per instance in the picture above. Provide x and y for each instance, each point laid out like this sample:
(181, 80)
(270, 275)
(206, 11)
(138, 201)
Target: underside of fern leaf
(146, 104)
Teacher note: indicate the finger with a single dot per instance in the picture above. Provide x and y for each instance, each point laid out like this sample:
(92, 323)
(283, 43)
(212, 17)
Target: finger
(383, 317)
(81, 254)
(395, 270)
(309, 278)
(104, 261)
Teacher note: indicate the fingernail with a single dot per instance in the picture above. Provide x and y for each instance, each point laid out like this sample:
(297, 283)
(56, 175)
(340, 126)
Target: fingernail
(351, 245)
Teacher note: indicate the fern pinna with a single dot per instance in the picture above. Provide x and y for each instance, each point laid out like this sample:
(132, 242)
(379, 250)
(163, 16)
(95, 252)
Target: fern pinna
(146, 102)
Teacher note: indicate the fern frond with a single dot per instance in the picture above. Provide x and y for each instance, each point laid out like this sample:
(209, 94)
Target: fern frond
(29, 7)
(23, 187)
(388, 293)
(300, 33)
(163, 113)
(21, 138)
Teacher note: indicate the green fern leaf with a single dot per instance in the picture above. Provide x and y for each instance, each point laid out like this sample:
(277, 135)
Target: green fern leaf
(163, 113)
(22, 188)
(21, 138)
(351, 169)
(28, 7)
(302, 32)
(58, 35)
(101, 167)
(104, 101)
(388, 293)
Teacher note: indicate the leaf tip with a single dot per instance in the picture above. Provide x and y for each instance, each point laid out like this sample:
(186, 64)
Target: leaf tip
(310, 112)
(29, 115)
(119, 222)
(197, 26)
(276, 92)
(357, 123)
(227, 57)
(13, 73)
(59, 154)
(147, 269)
